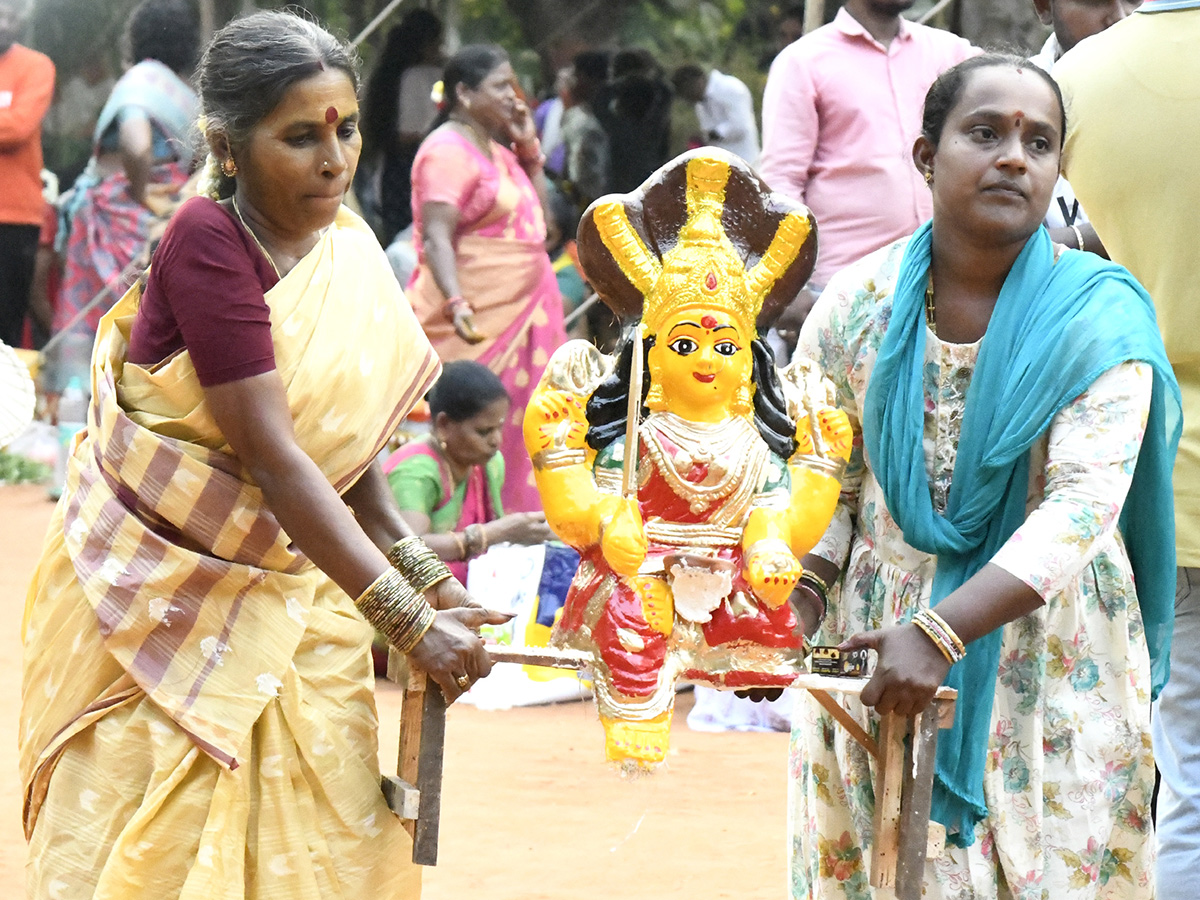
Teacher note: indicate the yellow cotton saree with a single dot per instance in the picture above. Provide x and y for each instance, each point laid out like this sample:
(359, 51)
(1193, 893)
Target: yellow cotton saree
(197, 717)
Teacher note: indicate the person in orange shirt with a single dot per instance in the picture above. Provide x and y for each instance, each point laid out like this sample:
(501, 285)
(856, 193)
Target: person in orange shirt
(26, 86)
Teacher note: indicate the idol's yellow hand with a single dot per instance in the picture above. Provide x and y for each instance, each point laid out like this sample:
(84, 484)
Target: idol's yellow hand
(554, 420)
(623, 541)
(836, 430)
(772, 570)
(658, 605)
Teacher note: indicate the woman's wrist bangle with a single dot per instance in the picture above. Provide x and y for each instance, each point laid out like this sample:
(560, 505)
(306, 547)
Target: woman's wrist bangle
(459, 545)
(1078, 235)
(816, 587)
(530, 154)
(456, 306)
(397, 610)
(816, 581)
(476, 539)
(414, 560)
(942, 635)
(809, 593)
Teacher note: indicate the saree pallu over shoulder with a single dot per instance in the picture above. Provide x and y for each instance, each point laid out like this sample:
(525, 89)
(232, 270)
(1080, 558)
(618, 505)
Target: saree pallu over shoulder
(197, 591)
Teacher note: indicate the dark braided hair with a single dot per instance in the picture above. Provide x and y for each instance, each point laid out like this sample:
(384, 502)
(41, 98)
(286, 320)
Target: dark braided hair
(464, 389)
(469, 66)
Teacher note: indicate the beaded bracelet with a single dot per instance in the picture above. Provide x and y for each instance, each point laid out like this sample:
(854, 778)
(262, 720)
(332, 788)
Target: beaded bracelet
(941, 634)
(416, 562)
(395, 608)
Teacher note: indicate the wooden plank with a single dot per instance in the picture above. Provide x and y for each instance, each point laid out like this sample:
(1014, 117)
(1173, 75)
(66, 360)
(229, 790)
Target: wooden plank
(945, 710)
(402, 798)
(936, 844)
(852, 687)
(915, 799)
(540, 656)
(847, 721)
(814, 15)
(889, 780)
(422, 742)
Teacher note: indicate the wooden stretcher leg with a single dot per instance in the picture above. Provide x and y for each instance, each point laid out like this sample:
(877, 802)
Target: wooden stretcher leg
(422, 744)
(915, 798)
(415, 793)
(889, 784)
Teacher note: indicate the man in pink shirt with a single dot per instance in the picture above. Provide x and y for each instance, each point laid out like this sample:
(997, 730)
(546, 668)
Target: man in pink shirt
(841, 111)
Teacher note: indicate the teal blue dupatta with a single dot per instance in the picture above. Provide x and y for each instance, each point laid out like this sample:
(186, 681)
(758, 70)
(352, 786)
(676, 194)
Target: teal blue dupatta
(1056, 327)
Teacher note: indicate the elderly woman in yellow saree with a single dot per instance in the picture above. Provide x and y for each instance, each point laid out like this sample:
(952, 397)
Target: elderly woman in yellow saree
(197, 716)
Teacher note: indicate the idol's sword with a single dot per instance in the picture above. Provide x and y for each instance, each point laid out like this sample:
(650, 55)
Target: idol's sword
(629, 467)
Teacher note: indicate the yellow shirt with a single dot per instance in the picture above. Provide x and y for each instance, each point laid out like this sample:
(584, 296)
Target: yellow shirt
(1133, 109)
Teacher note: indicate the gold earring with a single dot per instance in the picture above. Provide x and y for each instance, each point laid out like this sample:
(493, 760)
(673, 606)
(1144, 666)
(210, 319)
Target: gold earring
(656, 400)
(229, 167)
(743, 401)
(929, 176)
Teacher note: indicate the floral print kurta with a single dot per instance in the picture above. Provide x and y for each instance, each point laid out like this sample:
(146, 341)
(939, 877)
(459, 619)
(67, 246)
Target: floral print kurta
(1070, 774)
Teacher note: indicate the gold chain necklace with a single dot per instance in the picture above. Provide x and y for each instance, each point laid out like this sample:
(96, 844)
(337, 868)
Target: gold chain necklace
(930, 318)
(482, 142)
(250, 230)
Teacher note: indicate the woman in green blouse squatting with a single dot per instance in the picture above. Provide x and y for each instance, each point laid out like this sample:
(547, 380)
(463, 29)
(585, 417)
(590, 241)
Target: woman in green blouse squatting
(448, 482)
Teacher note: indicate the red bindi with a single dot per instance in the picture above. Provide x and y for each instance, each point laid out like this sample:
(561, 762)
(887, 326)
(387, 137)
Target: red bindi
(708, 322)
(331, 115)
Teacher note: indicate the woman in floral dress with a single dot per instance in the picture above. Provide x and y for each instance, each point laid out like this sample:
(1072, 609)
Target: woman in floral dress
(1018, 422)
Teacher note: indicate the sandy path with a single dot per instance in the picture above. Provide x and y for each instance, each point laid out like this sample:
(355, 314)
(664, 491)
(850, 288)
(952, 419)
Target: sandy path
(530, 811)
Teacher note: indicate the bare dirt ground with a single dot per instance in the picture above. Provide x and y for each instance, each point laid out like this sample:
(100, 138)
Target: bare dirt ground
(530, 811)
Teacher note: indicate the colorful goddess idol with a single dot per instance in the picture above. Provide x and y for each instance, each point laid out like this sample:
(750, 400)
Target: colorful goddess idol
(691, 506)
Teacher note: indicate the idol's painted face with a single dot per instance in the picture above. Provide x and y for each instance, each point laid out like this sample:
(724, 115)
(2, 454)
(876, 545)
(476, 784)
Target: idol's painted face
(701, 359)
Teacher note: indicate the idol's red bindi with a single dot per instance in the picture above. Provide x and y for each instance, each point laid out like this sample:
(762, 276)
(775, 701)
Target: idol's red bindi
(331, 115)
(709, 322)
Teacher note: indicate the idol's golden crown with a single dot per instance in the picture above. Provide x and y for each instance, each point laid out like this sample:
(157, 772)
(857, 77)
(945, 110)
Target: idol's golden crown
(703, 270)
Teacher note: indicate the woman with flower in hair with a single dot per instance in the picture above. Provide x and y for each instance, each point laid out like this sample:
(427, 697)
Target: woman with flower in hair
(484, 288)
(198, 719)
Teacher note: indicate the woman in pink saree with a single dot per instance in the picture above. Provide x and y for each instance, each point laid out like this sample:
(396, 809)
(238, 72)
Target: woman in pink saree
(484, 289)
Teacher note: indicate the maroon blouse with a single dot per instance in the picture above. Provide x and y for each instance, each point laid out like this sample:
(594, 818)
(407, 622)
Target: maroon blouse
(205, 295)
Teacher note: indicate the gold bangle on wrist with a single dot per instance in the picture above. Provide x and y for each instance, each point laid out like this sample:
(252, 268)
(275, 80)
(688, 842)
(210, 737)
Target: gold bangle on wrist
(816, 580)
(395, 608)
(1078, 235)
(459, 545)
(417, 563)
(942, 635)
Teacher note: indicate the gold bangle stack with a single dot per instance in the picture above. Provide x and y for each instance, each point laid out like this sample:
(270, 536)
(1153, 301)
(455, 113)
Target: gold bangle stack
(396, 609)
(816, 588)
(417, 563)
(941, 634)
